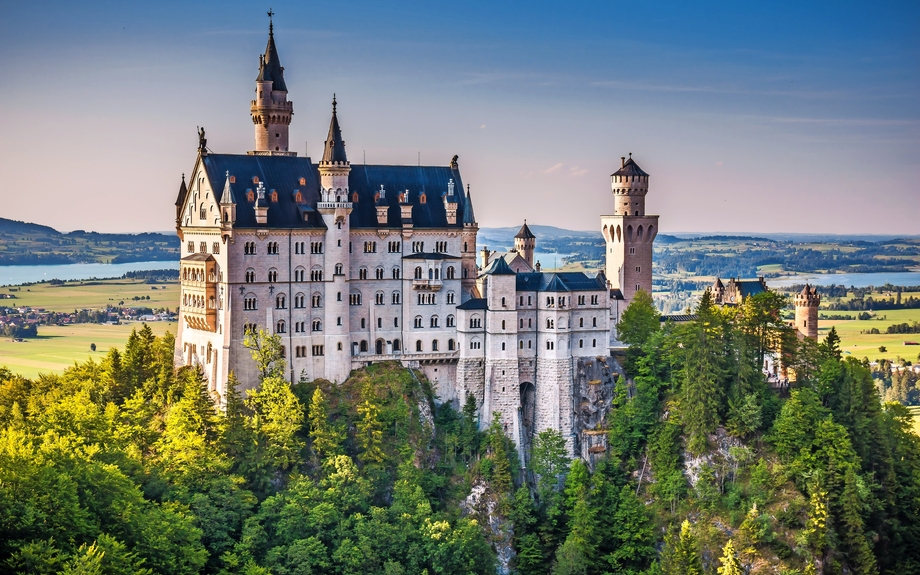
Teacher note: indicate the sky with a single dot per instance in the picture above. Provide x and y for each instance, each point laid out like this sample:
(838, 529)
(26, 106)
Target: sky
(749, 116)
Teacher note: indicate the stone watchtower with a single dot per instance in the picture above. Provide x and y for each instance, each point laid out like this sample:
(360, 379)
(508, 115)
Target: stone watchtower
(806, 311)
(271, 111)
(629, 233)
(524, 244)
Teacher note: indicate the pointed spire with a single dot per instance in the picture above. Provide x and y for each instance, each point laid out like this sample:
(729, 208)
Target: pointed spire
(525, 233)
(226, 198)
(183, 191)
(335, 145)
(468, 217)
(270, 69)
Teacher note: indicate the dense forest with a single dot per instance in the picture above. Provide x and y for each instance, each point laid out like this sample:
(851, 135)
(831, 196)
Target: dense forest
(125, 466)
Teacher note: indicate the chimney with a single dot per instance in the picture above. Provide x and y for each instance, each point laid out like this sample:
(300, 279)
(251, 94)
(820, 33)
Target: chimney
(537, 267)
(485, 256)
(622, 161)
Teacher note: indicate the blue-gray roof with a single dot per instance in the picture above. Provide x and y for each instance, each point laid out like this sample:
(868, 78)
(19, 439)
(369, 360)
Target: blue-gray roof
(499, 267)
(474, 303)
(283, 174)
(559, 281)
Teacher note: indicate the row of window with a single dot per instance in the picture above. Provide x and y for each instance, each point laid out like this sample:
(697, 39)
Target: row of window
(370, 247)
(203, 247)
(550, 345)
(316, 300)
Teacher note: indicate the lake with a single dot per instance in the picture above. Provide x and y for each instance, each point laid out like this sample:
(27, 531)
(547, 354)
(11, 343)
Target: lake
(15, 275)
(848, 280)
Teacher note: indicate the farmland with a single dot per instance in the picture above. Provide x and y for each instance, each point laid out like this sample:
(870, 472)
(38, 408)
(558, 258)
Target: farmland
(58, 347)
(95, 295)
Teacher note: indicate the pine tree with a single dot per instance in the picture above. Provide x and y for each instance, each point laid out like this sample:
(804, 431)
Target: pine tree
(324, 436)
(681, 555)
(369, 428)
(700, 391)
(731, 565)
(830, 347)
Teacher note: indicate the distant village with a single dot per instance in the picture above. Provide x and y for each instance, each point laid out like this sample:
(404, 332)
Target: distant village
(23, 321)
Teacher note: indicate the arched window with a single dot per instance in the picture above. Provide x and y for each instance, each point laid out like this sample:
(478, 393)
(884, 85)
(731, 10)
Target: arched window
(316, 300)
(379, 298)
(434, 345)
(272, 275)
(316, 275)
(418, 345)
(503, 346)
(451, 298)
(378, 273)
(362, 273)
(396, 273)
(317, 325)
(434, 321)
(280, 326)
(250, 275)
(503, 324)
(363, 346)
(418, 322)
(450, 345)
(450, 321)
(280, 302)
(339, 270)
(450, 272)
(396, 345)
(249, 302)
(396, 298)
(418, 272)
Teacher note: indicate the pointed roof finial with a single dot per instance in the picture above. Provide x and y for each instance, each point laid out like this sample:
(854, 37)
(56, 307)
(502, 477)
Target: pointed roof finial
(270, 23)
(333, 103)
(335, 146)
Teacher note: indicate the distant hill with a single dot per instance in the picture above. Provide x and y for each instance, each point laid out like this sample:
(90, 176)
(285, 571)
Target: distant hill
(25, 243)
(17, 227)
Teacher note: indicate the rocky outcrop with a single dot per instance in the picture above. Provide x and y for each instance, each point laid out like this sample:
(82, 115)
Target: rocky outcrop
(595, 379)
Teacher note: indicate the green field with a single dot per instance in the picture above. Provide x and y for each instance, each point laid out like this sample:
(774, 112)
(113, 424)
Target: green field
(58, 347)
(861, 345)
(94, 295)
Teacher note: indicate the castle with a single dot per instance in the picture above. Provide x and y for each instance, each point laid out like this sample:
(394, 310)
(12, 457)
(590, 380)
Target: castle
(356, 264)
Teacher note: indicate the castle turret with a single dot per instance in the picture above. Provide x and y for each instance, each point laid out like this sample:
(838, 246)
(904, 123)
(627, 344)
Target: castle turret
(629, 233)
(524, 243)
(335, 207)
(271, 112)
(227, 210)
(806, 311)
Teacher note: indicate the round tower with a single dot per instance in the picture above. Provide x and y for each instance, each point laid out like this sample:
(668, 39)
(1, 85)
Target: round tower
(806, 311)
(524, 243)
(629, 232)
(271, 112)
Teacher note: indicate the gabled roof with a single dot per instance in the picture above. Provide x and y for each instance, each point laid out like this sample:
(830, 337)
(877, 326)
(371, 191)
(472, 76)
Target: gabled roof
(749, 287)
(285, 173)
(270, 69)
(198, 257)
(335, 145)
(718, 284)
(498, 267)
(630, 168)
(555, 284)
(525, 233)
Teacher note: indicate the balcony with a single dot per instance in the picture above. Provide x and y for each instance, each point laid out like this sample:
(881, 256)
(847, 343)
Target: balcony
(427, 285)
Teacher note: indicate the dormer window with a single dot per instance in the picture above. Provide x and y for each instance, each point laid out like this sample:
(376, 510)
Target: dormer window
(422, 198)
(274, 196)
(298, 197)
(250, 196)
(303, 181)
(354, 197)
(232, 179)
(255, 179)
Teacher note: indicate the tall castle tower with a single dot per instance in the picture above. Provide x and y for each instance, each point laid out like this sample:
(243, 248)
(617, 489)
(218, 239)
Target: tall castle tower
(524, 243)
(271, 112)
(335, 207)
(629, 233)
(806, 311)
